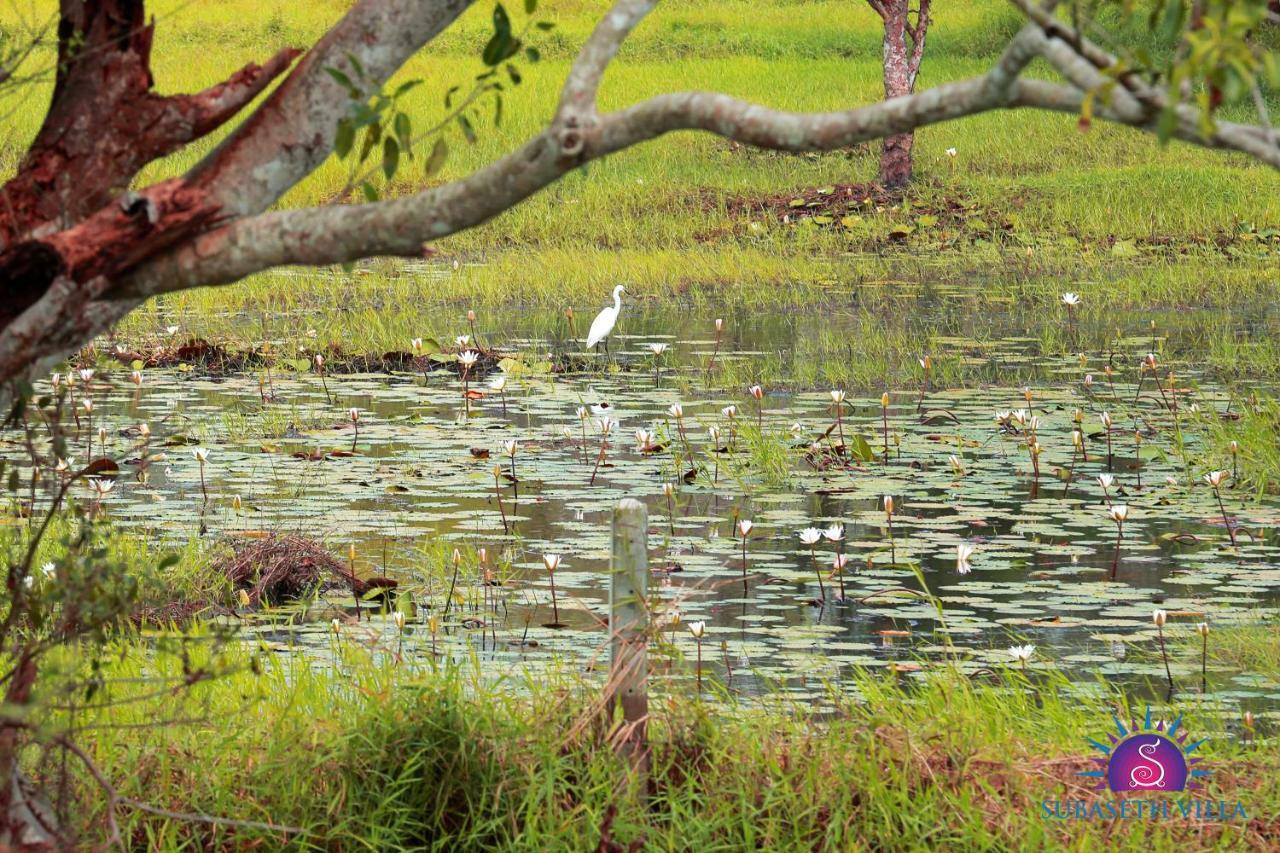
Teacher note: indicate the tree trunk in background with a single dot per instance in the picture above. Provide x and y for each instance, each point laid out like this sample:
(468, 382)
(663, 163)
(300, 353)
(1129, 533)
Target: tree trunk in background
(903, 50)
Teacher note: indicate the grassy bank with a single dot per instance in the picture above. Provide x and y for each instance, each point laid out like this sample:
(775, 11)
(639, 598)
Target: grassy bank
(371, 755)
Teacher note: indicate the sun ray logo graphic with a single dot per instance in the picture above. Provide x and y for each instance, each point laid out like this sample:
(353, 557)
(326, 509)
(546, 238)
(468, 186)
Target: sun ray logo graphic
(1147, 758)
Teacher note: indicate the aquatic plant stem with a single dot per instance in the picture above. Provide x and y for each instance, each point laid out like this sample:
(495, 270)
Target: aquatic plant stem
(555, 607)
(699, 642)
(1165, 654)
(884, 429)
(497, 491)
(817, 570)
(604, 445)
(453, 583)
(1231, 530)
(1071, 472)
(1204, 661)
(1115, 561)
(711, 363)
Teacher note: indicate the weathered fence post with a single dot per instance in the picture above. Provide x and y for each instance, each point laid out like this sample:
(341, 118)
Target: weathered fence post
(628, 629)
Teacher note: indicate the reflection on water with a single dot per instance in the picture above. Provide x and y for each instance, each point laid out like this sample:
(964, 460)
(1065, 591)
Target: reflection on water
(1046, 568)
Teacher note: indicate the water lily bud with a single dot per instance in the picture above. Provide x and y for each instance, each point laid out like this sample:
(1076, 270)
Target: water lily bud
(398, 618)
(884, 400)
(888, 504)
(1159, 617)
(136, 377)
(1203, 629)
(471, 316)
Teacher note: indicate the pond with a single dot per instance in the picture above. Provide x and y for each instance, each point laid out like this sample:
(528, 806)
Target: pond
(1050, 566)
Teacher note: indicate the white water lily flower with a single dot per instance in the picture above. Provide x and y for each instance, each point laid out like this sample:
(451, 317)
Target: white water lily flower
(468, 358)
(582, 413)
(498, 383)
(837, 396)
(811, 536)
(657, 348)
(1022, 653)
(1088, 380)
(668, 489)
(1119, 513)
(1216, 478)
(551, 561)
(676, 411)
(1072, 299)
(510, 447)
(697, 629)
(201, 454)
(729, 412)
(462, 340)
(136, 377)
(955, 463)
(714, 432)
(49, 569)
(744, 527)
(951, 152)
(606, 425)
(86, 374)
(1106, 481)
(756, 391)
(1105, 417)
(963, 552)
(644, 439)
(834, 533)
(102, 486)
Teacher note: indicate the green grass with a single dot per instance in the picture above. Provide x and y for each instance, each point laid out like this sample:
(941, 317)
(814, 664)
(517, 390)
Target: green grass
(368, 755)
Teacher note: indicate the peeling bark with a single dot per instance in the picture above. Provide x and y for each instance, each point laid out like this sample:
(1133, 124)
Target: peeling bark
(103, 125)
(903, 51)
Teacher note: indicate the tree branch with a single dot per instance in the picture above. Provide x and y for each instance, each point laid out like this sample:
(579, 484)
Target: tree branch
(292, 132)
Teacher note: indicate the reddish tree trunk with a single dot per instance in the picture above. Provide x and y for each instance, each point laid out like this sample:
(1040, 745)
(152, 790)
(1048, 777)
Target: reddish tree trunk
(895, 152)
(66, 211)
(903, 51)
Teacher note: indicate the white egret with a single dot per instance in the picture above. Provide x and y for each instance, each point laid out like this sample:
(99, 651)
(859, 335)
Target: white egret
(602, 325)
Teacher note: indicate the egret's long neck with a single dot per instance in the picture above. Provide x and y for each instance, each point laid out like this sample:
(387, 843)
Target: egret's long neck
(617, 301)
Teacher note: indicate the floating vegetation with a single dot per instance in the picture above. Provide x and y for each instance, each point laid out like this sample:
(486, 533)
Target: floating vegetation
(937, 521)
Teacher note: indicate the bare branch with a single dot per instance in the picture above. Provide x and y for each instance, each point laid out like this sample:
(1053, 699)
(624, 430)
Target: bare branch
(205, 111)
(878, 6)
(919, 34)
(579, 95)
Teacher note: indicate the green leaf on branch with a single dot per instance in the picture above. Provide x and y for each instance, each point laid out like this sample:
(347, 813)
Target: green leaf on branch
(439, 153)
(390, 157)
(345, 138)
(403, 127)
(467, 130)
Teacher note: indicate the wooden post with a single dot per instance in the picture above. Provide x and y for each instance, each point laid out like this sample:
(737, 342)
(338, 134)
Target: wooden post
(628, 629)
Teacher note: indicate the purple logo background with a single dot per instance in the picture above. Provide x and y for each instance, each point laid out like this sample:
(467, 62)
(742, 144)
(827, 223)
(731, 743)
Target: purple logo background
(1147, 761)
